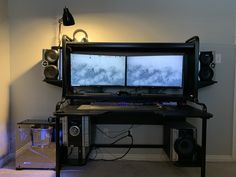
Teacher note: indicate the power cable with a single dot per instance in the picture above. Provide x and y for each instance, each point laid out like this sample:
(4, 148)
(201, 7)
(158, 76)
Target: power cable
(128, 150)
(113, 137)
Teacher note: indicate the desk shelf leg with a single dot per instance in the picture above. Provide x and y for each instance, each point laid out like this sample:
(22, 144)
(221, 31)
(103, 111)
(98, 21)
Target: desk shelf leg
(203, 164)
(57, 146)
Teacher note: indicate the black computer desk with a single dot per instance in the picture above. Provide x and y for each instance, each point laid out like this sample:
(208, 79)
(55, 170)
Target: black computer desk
(141, 115)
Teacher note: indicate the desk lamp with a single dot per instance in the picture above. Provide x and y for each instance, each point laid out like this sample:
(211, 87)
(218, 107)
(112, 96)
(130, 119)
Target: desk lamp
(67, 20)
(51, 56)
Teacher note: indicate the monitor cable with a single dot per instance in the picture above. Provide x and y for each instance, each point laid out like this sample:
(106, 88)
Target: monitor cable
(122, 132)
(127, 151)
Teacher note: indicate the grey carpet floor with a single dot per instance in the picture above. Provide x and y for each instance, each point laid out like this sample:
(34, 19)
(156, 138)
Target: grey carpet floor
(146, 169)
(124, 168)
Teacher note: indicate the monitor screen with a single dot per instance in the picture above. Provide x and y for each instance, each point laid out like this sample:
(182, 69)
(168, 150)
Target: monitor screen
(155, 71)
(97, 70)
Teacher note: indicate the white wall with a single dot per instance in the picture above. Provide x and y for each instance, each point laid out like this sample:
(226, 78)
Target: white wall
(33, 26)
(4, 81)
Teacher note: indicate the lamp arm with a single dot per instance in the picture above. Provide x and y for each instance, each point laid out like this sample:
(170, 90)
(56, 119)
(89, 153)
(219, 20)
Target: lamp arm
(66, 38)
(59, 32)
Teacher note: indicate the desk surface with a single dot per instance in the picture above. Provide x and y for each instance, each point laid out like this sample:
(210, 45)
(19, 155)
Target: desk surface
(164, 111)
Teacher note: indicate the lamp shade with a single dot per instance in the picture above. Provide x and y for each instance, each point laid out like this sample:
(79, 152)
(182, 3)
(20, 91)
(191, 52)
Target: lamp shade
(67, 18)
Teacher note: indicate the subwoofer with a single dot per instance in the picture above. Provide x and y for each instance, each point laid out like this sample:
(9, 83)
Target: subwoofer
(206, 72)
(52, 63)
(180, 142)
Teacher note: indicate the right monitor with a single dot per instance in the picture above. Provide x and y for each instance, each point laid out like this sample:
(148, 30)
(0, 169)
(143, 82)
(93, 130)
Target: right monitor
(155, 71)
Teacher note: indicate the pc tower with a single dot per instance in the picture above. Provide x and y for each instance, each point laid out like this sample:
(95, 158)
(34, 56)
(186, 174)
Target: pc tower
(180, 143)
(35, 145)
(76, 137)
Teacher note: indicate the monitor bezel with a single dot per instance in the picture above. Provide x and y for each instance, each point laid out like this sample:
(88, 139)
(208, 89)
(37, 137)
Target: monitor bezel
(188, 49)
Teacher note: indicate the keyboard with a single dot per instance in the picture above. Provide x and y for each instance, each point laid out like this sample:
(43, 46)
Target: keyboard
(117, 107)
(123, 104)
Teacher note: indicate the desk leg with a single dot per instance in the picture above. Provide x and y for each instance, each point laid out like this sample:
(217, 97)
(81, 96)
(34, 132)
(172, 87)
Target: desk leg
(203, 164)
(57, 146)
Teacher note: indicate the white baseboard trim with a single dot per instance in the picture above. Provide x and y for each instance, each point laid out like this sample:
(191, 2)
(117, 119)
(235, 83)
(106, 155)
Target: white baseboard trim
(220, 158)
(135, 157)
(6, 159)
(161, 157)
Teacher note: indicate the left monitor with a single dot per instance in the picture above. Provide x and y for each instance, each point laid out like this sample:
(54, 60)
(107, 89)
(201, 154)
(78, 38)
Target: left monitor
(97, 70)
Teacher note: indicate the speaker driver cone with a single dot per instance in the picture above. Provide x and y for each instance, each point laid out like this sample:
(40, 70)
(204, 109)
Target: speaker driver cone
(206, 74)
(51, 72)
(206, 58)
(184, 146)
(51, 55)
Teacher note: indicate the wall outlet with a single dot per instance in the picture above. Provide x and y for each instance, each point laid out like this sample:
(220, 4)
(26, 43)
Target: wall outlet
(218, 58)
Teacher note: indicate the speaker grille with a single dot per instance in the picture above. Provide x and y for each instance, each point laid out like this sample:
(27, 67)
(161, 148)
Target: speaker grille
(206, 74)
(206, 58)
(184, 146)
(51, 55)
(51, 72)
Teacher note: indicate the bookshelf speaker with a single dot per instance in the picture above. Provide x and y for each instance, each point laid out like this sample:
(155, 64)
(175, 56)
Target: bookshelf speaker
(206, 72)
